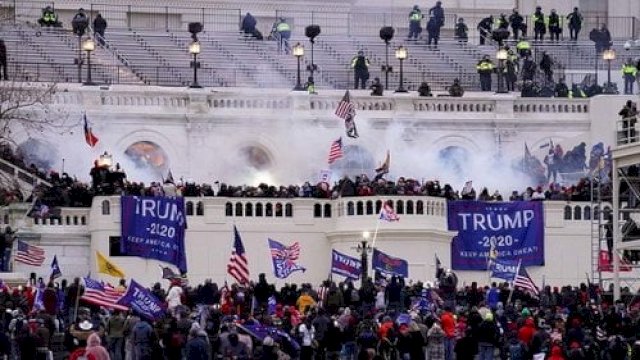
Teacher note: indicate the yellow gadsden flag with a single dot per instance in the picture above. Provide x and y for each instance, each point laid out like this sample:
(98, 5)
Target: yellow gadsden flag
(107, 267)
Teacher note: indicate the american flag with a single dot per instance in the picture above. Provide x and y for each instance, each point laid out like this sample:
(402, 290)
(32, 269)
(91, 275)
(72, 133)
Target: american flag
(291, 253)
(387, 214)
(89, 137)
(345, 107)
(335, 152)
(29, 254)
(99, 294)
(524, 281)
(238, 266)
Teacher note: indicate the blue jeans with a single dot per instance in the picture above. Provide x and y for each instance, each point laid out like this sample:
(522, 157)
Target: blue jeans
(485, 351)
(449, 344)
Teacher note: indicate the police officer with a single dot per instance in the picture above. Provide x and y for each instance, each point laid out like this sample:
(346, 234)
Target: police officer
(502, 22)
(484, 28)
(456, 89)
(629, 72)
(283, 29)
(575, 23)
(360, 65)
(415, 17)
(517, 24)
(539, 24)
(461, 32)
(376, 87)
(49, 18)
(555, 25)
(523, 47)
(511, 70)
(433, 31)
(485, 69)
(561, 90)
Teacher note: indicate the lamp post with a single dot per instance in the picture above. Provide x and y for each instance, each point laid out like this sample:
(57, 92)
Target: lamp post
(298, 52)
(609, 55)
(364, 249)
(401, 54)
(501, 55)
(386, 34)
(194, 49)
(89, 46)
(312, 31)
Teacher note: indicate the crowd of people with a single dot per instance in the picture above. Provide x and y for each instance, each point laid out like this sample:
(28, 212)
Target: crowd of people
(385, 319)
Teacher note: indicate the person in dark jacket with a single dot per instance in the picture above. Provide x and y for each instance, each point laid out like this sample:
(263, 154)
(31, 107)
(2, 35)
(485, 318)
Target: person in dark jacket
(99, 27)
(248, 26)
(546, 64)
(467, 347)
(488, 337)
(262, 292)
(462, 31)
(376, 88)
(198, 345)
(517, 24)
(269, 350)
(575, 23)
(4, 75)
(437, 12)
(360, 65)
(433, 31)
(555, 25)
(484, 28)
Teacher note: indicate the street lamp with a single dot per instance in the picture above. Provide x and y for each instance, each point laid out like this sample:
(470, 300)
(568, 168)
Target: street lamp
(312, 31)
(89, 46)
(194, 49)
(401, 54)
(386, 34)
(608, 55)
(298, 52)
(501, 55)
(364, 248)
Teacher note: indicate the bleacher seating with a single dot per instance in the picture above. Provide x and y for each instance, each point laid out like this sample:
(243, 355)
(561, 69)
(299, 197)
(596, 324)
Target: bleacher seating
(139, 50)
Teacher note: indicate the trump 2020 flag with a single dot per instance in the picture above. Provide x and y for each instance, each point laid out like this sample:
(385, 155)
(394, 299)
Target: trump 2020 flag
(154, 228)
(284, 259)
(389, 265)
(504, 269)
(345, 265)
(55, 269)
(142, 301)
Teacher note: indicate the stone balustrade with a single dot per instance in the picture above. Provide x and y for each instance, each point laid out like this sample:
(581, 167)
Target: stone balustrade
(410, 208)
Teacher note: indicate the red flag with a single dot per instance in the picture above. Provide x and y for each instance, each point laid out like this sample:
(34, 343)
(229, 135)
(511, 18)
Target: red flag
(605, 263)
(91, 139)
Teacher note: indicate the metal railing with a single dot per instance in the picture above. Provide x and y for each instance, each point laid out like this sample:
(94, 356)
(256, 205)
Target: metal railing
(626, 133)
(216, 18)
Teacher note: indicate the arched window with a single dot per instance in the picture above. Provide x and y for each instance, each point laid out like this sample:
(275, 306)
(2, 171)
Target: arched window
(577, 213)
(269, 210)
(350, 211)
(409, 207)
(369, 207)
(317, 210)
(378, 206)
(259, 209)
(419, 207)
(5, 219)
(83, 220)
(400, 207)
(278, 210)
(238, 209)
(359, 208)
(587, 213)
(248, 209)
(75, 220)
(228, 209)
(567, 212)
(327, 210)
(189, 208)
(288, 210)
(68, 220)
(106, 207)
(200, 208)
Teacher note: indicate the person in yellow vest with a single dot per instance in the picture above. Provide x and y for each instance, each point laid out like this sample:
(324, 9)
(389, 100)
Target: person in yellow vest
(523, 47)
(415, 17)
(629, 72)
(555, 25)
(539, 24)
(485, 69)
(283, 31)
(49, 18)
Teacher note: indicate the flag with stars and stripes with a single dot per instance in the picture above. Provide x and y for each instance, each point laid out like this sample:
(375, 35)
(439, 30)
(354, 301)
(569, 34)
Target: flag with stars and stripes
(238, 266)
(284, 258)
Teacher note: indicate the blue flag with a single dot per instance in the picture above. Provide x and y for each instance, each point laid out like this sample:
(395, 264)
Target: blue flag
(513, 230)
(504, 269)
(284, 259)
(271, 305)
(142, 301)
(154, 228)
(55, 269)
(345, 265)
(389, 265)
(261, 331)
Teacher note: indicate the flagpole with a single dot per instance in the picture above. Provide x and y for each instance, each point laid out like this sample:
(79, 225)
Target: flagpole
(373, 242)
(513, 281)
